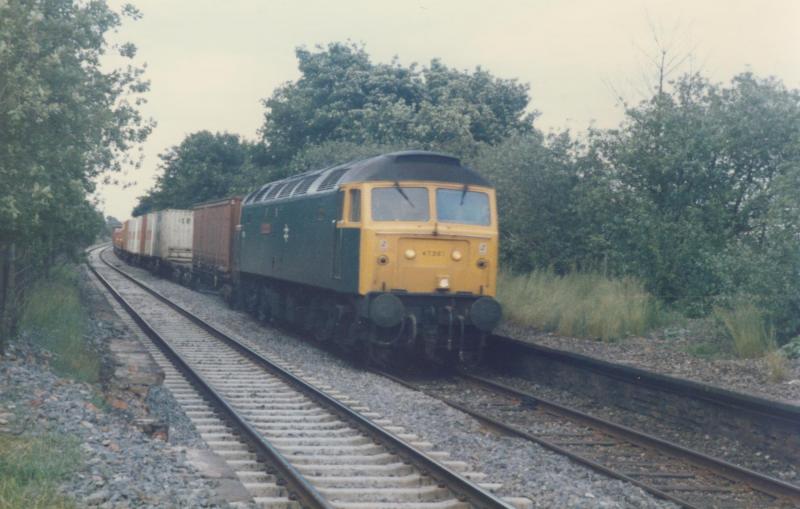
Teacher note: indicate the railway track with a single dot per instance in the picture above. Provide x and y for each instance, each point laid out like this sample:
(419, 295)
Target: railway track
(669, 471)
(290, 443)
(771, 427)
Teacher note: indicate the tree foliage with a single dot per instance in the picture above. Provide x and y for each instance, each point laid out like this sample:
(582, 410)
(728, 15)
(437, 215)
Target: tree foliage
(204, 166)
(537, 188)
(342, 95)
(64, 119)
(696, 193)
(696, 172)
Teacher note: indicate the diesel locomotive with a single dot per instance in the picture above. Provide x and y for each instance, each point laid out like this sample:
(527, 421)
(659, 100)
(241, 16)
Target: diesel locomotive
(392, 256)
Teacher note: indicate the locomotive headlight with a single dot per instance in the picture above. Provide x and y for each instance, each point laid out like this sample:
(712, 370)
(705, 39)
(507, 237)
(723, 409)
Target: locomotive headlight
(410, 254)
(456, 255)
(444, 283)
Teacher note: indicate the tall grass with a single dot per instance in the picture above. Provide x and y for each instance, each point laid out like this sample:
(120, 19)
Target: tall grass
(54, 319)
(31, 469)
(588, 305)
(748, 329)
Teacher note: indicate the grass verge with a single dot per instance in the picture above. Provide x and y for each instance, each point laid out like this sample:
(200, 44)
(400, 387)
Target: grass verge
(31, 469)
(777, 367)
(747, 328)
(54, 319)
(580, 304)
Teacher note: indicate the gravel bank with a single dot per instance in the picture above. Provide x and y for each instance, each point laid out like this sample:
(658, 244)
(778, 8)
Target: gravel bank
(670, 357)
(525, 469)
(160, 405)
(122, 466)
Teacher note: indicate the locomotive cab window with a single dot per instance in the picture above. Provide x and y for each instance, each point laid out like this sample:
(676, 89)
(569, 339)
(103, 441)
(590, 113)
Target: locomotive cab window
(462, 206)
(400, 204)
(355, 206)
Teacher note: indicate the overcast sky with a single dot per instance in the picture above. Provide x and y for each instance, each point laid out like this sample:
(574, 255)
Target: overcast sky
(210, 62)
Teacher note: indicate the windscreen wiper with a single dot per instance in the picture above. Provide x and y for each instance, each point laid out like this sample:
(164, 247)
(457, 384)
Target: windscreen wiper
(403, 194)
(463, 194)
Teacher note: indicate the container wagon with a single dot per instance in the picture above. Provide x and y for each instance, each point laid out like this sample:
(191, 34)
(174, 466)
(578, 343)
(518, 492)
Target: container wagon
(118, 238)
(167, 243)
(215, 226)
(133, 239)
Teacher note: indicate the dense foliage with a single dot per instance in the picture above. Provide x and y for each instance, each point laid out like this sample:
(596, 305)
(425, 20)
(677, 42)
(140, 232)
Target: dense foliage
(342, 95)
(203, 167)
(695, 193)
(64, 120)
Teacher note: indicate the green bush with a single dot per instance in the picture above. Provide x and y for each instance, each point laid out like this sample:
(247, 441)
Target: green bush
(580, 304)
(791, 350)
(54, 319)
(30, 471)
(747, 327)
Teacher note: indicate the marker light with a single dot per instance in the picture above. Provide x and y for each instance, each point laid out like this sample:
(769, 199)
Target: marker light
(444, 283)
(456, 255)
(410, 254)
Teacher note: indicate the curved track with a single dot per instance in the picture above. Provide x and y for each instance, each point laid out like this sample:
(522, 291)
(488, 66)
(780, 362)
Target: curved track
(667, 470)
(321, 452)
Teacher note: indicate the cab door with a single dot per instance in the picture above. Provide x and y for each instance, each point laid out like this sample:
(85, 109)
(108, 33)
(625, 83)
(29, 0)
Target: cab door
(338, 232)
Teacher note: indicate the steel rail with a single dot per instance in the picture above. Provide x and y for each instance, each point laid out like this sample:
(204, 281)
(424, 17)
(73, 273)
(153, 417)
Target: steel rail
(690, 389)
(462, 487)
(298, 486)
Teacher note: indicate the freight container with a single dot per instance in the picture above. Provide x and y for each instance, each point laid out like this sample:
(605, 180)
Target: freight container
(215, 225)
(149, 233)
(172, 237)
(118, 238)
(133, 239)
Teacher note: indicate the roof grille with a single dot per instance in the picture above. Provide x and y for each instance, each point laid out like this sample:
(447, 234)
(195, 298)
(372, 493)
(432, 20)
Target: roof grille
(305, 184)
(274, 190)
(262, 193)
(331, 179)
(287, 189)
(427, 158)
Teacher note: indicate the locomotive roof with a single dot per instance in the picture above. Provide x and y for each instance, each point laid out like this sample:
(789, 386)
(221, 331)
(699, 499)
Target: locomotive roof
(393, 167)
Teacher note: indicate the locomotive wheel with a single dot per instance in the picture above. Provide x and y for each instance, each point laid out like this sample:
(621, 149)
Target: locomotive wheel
(263, 309)
(380, 355)
(323, 324)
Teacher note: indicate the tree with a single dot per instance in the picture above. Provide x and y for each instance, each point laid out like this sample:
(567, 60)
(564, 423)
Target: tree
(65, 120)
(342, 96)
(204, 166)
(538, 189)
(694, 174)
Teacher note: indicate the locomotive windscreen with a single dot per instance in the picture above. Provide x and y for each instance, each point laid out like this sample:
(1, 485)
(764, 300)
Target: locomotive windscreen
(400, 204)
(462, 206)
